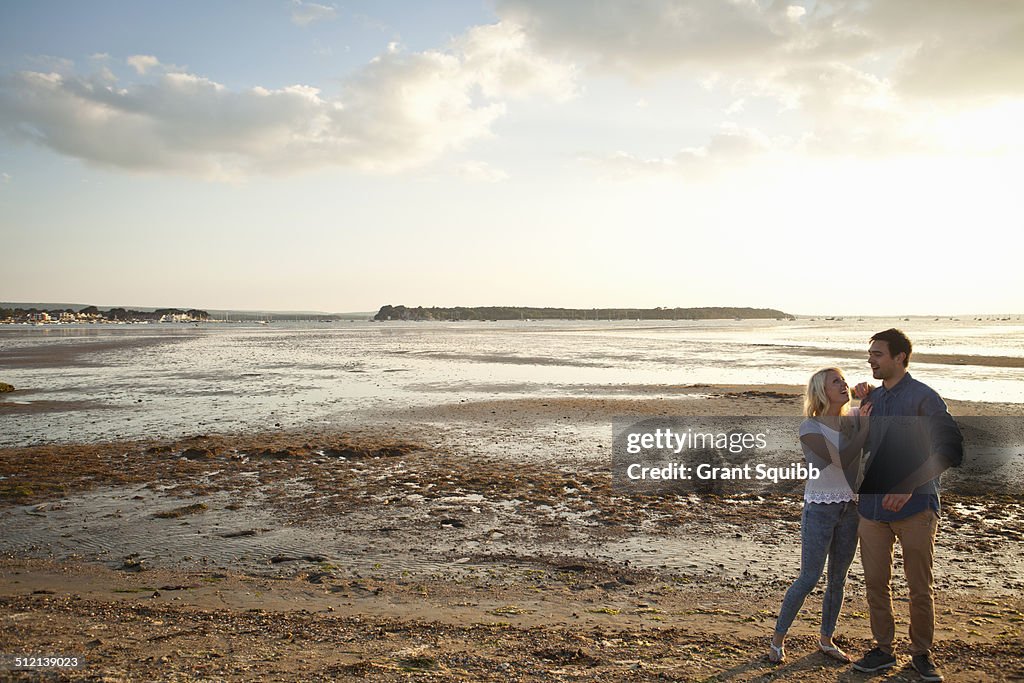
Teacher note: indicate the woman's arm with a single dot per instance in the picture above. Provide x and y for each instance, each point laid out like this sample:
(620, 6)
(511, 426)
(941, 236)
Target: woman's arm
(849, 455)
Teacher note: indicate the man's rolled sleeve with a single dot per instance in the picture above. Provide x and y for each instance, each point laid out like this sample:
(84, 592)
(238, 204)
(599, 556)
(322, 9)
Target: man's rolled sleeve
(944, 434)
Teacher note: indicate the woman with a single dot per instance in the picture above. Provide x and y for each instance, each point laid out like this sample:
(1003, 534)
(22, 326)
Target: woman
(832, 438)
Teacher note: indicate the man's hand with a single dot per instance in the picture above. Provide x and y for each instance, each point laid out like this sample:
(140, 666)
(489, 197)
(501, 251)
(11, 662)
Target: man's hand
(862, 390)
(894, 502)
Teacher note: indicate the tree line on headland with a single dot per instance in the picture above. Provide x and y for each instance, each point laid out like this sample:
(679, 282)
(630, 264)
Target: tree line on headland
(527, 313)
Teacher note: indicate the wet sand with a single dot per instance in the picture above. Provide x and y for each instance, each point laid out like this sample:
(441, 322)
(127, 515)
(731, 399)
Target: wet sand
(933, 358)
(80, 350)
(419, 544)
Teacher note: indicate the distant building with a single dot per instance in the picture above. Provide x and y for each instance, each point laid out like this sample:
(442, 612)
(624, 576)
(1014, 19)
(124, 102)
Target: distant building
(177, 318)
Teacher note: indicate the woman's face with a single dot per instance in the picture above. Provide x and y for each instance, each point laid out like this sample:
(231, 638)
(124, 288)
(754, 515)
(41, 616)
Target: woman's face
(836, 389)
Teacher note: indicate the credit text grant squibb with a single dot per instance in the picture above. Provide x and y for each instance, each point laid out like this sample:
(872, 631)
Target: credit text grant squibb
(707, 472)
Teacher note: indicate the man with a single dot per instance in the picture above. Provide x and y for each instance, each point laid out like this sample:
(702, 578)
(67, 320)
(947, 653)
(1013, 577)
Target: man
(913, 440)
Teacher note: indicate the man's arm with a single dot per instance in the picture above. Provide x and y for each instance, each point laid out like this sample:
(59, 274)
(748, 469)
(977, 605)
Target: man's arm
(945, 450)
(945, 438)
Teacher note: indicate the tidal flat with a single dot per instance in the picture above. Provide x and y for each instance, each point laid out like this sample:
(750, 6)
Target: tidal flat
(420, 542)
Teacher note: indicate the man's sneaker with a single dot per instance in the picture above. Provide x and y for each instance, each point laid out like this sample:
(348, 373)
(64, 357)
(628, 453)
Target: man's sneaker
(876, 660)
(924, 665)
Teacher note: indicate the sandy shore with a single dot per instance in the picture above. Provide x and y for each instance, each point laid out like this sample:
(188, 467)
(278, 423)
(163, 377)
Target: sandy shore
(422, 544)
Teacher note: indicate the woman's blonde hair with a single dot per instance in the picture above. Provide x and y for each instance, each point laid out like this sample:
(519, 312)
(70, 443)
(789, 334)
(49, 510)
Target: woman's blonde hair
(816, 399)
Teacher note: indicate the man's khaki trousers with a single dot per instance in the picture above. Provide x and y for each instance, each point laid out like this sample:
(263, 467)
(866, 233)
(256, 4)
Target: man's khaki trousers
(917, 539)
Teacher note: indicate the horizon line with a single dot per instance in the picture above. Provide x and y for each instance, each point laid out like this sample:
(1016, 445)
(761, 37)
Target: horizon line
(567, 308)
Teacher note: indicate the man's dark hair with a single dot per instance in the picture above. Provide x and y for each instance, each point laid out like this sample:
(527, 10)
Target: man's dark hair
(897, 342)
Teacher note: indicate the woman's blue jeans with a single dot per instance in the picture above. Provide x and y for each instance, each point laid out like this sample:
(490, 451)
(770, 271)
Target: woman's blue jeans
(827, 530)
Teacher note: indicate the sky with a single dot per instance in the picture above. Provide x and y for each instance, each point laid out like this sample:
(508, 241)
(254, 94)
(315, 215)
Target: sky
(813, 156)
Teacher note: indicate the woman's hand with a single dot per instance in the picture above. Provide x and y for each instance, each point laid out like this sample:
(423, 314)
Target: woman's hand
(862, 390)
(865, 412)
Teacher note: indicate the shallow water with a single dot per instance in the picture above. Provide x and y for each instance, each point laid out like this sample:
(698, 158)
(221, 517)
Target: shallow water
(89, 383)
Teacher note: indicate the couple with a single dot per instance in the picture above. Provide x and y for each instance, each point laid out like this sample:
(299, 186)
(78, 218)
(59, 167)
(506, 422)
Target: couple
(893, 496)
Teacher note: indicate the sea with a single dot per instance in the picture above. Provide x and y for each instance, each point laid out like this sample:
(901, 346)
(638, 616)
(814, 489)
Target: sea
(88, 383)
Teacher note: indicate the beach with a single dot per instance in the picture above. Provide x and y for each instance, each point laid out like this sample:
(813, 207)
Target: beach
(419, 543)
(413, 342)
(405, 341)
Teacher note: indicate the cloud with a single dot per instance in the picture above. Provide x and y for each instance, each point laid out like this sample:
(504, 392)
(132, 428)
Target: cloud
(951, 49)
(5, 178)
(848, 112)
(399, 111)
(731, 145)
(851, 77)
(637, 37)
(501, 61)
(306, 13)
(142, 63)
(404, 110)
(944, 49)
(992, 69)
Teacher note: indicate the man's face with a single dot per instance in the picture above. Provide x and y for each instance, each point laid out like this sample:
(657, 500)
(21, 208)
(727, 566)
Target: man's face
(883, 365)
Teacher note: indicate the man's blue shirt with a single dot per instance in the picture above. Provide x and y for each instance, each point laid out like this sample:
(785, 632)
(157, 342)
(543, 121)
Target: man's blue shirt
(898, 446)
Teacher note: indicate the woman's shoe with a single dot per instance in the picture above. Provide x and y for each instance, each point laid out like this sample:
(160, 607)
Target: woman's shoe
(776, 653)
(835, 653)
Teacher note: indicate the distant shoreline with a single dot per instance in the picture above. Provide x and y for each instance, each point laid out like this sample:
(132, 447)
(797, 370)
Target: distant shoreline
(461, 313)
